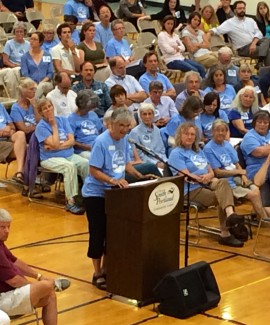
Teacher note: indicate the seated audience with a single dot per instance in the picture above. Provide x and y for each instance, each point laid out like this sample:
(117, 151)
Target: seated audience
(256, 148)
(188, 158)
(224, 161)
(72, 21)
(135, 92)
(247, 79)
(172, 49)
(94, 8)
(118, 46)
(208, 19)
(147, 134)
(130, 10)
(150, 61)
(192, 81)
(24, 112)
(66, 58)
(264, 83)
(224, 12)
(99, 88)
(225, 61)
(103, 28)
(85, 123)
(62, 97)
(217, 82)
(93, 51)
(108, 163)
(76, 8)
(18, 8)
(56, 141)
(18, 294)
(197, 42)
(263, 18)
(164, 105)
(49, 38)
(12, 144)
(244, 106)
(211, 112)
(37, 64)
(173, 8)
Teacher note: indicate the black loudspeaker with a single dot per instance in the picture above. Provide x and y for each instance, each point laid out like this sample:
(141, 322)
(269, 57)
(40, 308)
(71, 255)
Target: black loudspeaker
(188, 291)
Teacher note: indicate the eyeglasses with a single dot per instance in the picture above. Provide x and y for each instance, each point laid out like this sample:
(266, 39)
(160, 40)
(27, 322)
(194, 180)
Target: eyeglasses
(49, 33)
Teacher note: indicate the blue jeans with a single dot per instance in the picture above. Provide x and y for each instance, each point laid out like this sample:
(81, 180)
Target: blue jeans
(187, 65)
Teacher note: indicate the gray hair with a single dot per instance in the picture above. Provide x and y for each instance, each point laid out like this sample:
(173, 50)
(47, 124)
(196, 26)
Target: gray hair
(20, 25)
(116, 22)
(191, 73)
(121, 114)
(5, 216)
(86, 99)
(236, 104)
(225, 50)
(25, 83)
(145, 107)
(155, 84)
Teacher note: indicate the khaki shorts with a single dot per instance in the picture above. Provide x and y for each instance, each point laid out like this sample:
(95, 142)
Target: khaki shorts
(16, 302)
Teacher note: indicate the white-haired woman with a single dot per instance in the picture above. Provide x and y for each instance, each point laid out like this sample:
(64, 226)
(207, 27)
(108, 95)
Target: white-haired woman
(244, 106)
(24, 113)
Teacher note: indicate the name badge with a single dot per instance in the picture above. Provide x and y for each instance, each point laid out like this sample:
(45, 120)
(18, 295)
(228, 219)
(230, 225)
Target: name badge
(112, 147)
(244, 116)
(231, 73)
(98, 92)
(46, 58)
(257, 89)
(177, 14)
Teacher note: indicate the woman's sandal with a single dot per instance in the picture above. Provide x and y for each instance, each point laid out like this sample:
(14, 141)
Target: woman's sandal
(99, 282)
(18, 178)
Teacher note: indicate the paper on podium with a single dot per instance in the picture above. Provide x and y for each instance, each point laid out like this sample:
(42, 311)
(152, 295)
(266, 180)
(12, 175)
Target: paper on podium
(149, 181)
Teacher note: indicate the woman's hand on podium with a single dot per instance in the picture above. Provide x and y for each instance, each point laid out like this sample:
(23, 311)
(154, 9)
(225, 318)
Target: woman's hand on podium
(122, 183)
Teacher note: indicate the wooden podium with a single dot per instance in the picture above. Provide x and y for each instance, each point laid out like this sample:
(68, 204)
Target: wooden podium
(142, 236)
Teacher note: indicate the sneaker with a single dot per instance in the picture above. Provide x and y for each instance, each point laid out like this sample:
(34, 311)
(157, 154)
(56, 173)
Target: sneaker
(230, 241)
(73, 208)
(61, 284)
(233, 220)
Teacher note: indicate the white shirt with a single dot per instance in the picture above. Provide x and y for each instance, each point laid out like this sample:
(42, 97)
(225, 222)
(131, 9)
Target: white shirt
(59, 52)
(240, 31)
(63, 105)
(166, 43)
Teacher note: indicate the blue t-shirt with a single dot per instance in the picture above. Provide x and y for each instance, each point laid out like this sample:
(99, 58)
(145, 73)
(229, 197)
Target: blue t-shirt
(19, 114)
(86, 128)
(222, 156)
(4, 118)
(103, 34)
(195, 162)
(118, 48)
(226, 96)
(111, 157)
(250, 142)
(44, 130)
(208, 120)
(16, 50)
(246, 117)
(146, 78)
(78, 9)
(177, 120)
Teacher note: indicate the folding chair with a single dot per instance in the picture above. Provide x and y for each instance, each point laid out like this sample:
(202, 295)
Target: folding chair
(146, 24)
(130, 29)
(56, 11)
(7, 20)
(139, 52)
(147, 39)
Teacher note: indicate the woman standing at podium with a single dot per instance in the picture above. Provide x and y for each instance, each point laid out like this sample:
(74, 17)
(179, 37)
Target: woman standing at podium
(108, 162)
(204, 189)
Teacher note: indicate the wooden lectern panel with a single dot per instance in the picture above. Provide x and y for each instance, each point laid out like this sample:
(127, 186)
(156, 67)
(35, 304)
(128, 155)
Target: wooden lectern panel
(142, 246)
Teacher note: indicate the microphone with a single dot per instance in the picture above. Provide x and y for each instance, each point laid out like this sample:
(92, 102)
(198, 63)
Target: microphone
(146, 150)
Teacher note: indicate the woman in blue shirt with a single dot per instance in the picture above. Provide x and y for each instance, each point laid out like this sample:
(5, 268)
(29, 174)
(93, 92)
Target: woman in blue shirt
(108, 163)
(187, 157)
(37, 64)
(244, 106)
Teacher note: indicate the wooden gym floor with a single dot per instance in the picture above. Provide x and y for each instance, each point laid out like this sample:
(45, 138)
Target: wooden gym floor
(55, 243)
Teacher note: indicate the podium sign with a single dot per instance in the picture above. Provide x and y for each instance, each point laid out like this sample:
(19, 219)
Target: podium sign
(142, 236)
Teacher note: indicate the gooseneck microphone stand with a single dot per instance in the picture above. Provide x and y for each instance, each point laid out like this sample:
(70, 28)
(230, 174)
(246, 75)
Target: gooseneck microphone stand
(190, 180)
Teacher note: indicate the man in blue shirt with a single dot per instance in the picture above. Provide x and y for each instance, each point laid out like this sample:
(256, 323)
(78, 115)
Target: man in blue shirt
(76, 8)
(103, 28)
(150, 61)
(99, 88)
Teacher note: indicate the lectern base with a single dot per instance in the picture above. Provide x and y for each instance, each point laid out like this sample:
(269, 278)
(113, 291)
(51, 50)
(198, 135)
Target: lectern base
(131, 302)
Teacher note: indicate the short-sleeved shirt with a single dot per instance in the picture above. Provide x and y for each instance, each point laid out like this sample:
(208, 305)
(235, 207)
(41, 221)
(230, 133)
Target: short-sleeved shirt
(111, 157)
(44, 131)
(4, 117)
(222, 156)
(250, 142)
(63, 104)
(184, 95)
(195, 162)
(208, 120)
(47, 46)
(15, 50)
(177, 120)
(165, 107)
(196, 39)
(7, 268)
(103, 34)
(226, 96)
(146, 78)
(78, 9)
(118, 48)
(19, 114)
(246, 117)
(59, 52)
(86, 128)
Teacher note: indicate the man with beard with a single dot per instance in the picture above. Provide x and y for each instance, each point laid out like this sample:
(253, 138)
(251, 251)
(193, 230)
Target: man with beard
(244, 34)
(103, 28)
(225, 60)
